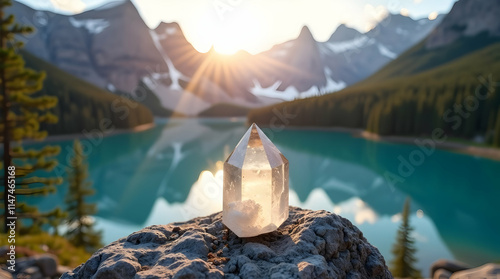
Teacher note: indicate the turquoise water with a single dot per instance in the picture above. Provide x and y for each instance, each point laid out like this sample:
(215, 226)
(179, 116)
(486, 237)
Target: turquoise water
(172, 173)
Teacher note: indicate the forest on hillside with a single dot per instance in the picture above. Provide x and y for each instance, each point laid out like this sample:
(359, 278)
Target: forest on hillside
(84, 107)
(460, 97)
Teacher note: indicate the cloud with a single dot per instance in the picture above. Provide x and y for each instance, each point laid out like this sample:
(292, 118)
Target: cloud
(373, 15)
(364, 214)
(73, 6)
(433, 15)
(376, 13)
(396, 218)
(418, 237)
(404, 12)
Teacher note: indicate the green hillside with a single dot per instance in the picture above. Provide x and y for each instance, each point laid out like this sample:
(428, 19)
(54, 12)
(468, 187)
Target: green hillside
(83, 106)
(419, 59)
(413, 95)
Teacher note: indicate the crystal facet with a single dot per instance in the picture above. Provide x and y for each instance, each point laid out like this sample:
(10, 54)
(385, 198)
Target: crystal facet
(255, 186)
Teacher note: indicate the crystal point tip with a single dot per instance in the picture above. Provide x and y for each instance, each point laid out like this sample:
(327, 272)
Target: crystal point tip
(255, 186)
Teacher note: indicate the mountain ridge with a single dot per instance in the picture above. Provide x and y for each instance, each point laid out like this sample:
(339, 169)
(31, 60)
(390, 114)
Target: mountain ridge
(79, 101)
(467, 18)
(419, 92)
(113, 48)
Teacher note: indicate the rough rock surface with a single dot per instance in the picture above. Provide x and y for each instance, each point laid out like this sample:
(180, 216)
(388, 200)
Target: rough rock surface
(486, 271)
(310, 244)
(447, 265)
(441, 274)
(34, 267)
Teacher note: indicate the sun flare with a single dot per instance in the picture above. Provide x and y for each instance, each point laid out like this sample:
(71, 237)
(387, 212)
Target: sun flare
(234, 31)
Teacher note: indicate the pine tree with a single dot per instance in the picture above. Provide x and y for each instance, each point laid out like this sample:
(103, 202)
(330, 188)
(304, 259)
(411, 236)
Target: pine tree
(21, 116)
(81, 230)
(404, 250)
(496, 133)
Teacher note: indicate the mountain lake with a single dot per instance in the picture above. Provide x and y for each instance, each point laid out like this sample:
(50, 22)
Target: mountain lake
(173, 172)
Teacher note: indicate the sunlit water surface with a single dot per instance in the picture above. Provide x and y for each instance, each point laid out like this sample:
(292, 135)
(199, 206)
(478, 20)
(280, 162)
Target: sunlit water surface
(173, 173)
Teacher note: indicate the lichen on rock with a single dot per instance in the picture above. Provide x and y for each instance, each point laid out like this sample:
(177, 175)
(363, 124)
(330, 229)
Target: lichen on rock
(309, 244)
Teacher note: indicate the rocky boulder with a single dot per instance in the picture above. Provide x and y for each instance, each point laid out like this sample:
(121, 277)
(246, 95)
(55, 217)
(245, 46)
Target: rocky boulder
(310, 244)
(448, 266)
(35, 267)
(486, 271)
(446, 269)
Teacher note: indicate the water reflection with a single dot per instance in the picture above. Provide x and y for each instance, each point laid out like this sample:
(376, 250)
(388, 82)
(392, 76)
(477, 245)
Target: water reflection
(173, 173)
(455, 191)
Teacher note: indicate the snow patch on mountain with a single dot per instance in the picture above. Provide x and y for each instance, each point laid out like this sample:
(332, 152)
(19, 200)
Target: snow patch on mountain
(111, 87)
(289, 94)
(171, 30)
(311, 92)
(279, 53)
(349, 45)
(110, 5)
(401, 31)
(94, 26)
(331, 85)
(386, 52)
(271, 91)
(175, 75)
(292, 93)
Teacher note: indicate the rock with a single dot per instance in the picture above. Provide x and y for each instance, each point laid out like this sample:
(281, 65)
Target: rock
(32, 272)
(47, 264)
(451, 266)
(5, 274)
(61, 269)
(313, 267)
(23, 263)
(309, 244)
(441, 274)
(486, 271)
(36, 266)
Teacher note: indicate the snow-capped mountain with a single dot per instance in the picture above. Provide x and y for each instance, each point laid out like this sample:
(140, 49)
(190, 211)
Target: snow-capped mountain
(113, 48)
(110, 46)
(350, 56)
(299, 70)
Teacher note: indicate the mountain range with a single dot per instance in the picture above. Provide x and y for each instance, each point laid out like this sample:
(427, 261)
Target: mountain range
(112, 48)
(448, 81)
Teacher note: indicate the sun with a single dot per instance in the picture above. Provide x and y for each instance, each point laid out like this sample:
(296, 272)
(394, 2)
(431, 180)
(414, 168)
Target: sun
(238, 29)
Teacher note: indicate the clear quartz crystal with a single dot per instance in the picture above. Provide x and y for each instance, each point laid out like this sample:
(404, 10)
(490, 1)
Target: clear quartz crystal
(255, 186)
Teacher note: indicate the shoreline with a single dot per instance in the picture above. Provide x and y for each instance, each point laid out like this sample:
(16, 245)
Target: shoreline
(483, 152)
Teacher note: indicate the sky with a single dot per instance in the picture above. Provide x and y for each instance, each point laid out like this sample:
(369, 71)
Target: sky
(257, 25)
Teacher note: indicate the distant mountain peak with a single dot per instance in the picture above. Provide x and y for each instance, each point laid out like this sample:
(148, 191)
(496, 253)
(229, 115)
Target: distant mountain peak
(344, 33)
(170, 28)
(123, 8)
(168, 25)
(305, 33)
(116, 4)
(123, 46)
(396, 19)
